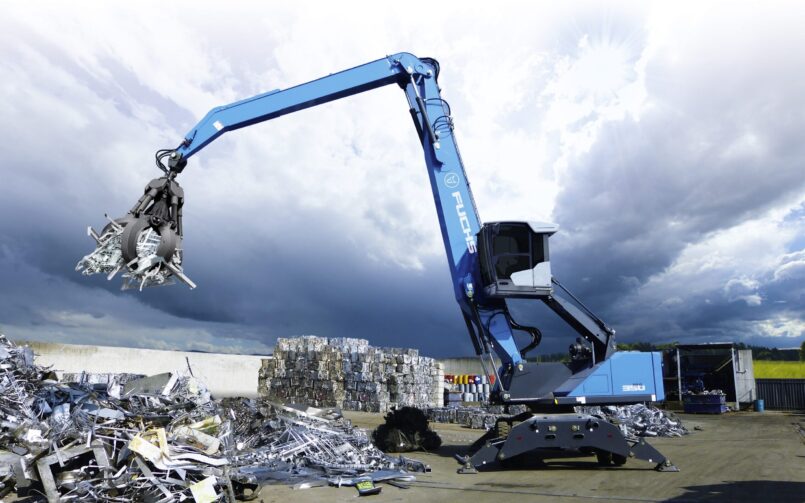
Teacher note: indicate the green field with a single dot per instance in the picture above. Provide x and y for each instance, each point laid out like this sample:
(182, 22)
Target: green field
(765, 369)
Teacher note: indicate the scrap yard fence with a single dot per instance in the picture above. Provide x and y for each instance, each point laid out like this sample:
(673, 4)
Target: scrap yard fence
(782, 394)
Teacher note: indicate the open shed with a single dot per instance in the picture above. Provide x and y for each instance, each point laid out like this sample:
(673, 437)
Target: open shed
(711, 367)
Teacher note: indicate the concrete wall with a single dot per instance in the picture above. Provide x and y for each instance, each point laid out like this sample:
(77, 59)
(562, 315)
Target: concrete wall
(462, 365)
(224, 374)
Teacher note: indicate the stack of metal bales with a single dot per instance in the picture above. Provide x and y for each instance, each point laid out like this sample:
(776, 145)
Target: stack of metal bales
(483, 417)
(350, 374)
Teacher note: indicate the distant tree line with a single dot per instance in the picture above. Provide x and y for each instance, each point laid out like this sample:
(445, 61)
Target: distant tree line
(758, 352)
(775, 354)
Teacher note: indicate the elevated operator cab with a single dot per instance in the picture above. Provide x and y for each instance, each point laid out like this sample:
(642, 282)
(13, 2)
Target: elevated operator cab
(514, 259)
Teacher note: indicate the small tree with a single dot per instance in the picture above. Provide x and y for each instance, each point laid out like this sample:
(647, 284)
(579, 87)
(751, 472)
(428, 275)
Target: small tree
(802, 352)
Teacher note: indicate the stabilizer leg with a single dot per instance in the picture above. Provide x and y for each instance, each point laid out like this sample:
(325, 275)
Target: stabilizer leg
(642, 450)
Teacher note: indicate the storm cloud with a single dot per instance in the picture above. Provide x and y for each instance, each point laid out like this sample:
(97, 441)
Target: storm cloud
(663, 140)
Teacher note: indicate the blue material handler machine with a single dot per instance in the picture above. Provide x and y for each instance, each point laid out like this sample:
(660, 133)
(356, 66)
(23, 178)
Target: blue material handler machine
(490, 262)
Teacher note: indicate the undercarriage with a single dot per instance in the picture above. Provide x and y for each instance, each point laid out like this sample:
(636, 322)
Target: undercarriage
(546, 436)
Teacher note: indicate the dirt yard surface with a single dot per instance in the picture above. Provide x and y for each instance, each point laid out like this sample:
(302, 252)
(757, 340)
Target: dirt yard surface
(735, 457)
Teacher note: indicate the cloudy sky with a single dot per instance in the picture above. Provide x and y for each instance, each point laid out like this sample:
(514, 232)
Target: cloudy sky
(665, 140)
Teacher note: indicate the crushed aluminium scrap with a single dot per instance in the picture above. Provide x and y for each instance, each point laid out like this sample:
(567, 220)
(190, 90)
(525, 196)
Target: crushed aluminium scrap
(350, 374)
(639, 420)
(479, 418)
(127, 438)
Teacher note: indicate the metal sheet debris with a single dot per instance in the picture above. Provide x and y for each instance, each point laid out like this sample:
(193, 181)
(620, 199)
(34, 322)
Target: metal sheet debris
(639, 420)
(119, 438)
(160, 384)
(203, 491)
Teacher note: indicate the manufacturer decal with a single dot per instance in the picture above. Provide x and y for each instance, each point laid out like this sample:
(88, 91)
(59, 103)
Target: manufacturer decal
(633, 387)
(451, 180)
(466, 228)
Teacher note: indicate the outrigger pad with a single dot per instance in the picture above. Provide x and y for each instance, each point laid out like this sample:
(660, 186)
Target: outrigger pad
(666, 466)
(466, 465)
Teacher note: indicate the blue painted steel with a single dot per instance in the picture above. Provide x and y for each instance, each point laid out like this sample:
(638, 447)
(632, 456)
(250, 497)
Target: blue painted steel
(704, 404)
(501, 336)
(276, 103)
(704, 408)
(455, 206)
(625, 373)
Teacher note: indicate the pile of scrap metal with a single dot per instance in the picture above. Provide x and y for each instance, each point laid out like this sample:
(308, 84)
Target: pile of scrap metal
(705, 392)
(480, 418)
(162, 438)
(639, 420)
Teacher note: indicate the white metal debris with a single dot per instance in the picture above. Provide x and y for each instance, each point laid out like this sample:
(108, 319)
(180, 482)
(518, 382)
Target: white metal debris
(639, 420)
(162, 438)
(147, 269)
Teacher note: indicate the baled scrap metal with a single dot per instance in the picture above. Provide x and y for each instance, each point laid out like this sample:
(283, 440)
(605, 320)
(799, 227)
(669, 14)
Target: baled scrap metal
(99, 378)
(348, 373)
(482, 417)
(155, 438)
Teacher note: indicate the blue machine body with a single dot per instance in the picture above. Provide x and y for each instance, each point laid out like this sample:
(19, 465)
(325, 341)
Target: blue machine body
(627, 375)
(612, 377)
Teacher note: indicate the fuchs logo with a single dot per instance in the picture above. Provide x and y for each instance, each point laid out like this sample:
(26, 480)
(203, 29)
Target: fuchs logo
(451, 180)
(465, 222)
